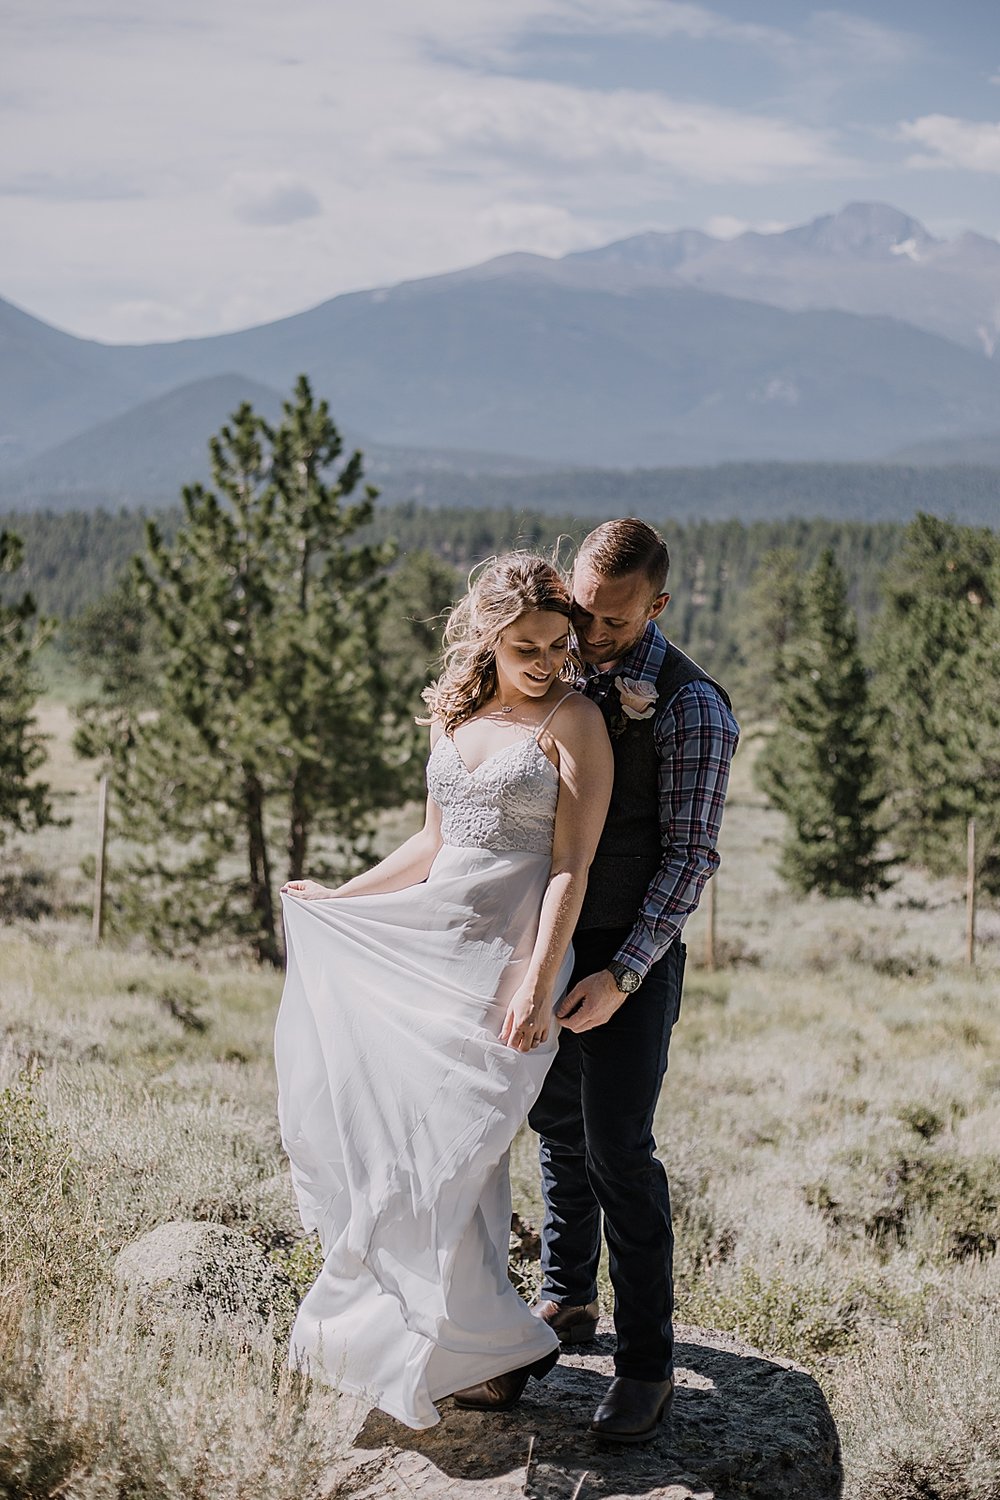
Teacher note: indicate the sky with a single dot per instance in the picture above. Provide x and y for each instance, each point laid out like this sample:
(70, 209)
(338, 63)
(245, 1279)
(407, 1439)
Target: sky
(172, 168)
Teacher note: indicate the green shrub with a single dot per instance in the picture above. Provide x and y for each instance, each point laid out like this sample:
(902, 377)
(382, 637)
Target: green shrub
(26, 895)
(773, 1313)
(301, 1262)
(960, 1193)
(920, 1118)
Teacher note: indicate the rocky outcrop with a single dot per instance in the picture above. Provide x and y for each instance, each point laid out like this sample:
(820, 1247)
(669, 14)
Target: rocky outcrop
(208, 1271)
(741, 1425)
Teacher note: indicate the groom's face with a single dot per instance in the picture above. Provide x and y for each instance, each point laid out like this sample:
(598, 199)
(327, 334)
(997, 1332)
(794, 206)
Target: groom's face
(610, 614)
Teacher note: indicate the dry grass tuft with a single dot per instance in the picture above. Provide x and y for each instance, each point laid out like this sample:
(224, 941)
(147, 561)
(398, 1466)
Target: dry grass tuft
(108, 1410)
(930, 1430)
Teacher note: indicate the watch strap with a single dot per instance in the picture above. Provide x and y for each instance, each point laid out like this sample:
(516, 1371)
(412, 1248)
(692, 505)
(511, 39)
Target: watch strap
(627, 980)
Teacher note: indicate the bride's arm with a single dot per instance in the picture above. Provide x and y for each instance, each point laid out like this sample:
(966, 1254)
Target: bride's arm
(586, 771)
(407, 865)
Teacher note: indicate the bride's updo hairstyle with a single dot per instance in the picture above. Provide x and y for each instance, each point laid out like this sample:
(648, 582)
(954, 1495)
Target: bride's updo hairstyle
(502, 590)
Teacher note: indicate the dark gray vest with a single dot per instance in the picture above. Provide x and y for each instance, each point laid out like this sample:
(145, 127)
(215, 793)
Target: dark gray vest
(630, 852)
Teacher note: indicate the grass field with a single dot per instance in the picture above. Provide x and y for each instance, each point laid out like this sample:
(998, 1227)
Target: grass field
(830, 1122)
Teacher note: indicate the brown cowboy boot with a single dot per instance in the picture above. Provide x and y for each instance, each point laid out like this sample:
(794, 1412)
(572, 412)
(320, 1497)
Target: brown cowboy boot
(572, 1325)
(502, 1392)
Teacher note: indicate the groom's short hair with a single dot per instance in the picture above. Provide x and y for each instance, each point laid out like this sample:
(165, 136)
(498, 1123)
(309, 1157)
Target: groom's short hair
(627, 546)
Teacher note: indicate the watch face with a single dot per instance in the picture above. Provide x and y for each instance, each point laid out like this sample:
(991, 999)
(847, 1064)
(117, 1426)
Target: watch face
(628, 981)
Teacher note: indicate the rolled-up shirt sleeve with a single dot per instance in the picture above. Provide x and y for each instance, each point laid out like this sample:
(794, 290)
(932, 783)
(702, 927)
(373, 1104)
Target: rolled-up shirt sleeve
(696, 737)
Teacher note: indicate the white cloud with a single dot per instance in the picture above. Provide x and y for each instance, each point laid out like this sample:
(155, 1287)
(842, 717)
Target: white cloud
(526, 122)
(728, 227)
(830, 51)
(653, 18)
(541, 228)
(69, 187)
(946, 141)
(490, 31)
(271, 198)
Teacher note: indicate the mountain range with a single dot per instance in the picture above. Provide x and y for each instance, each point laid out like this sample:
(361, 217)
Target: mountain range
(859, 336)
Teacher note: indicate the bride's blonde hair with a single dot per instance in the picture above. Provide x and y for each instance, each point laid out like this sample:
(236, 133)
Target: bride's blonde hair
(506, 588)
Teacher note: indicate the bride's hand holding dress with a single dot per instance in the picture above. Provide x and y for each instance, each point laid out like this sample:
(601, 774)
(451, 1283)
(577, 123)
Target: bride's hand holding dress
(308, 890)
(408, 865)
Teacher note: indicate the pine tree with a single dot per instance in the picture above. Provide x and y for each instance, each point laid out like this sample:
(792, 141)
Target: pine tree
(274, 721)
(111, 639)
(421, 590)
(937, 654)
(24, 801)
(819, 767)
(772, 615)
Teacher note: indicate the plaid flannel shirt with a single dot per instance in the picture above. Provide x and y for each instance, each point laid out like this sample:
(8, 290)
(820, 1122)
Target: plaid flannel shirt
(696, 737)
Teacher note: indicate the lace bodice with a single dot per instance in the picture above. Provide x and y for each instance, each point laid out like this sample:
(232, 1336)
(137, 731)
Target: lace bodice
(508, 802)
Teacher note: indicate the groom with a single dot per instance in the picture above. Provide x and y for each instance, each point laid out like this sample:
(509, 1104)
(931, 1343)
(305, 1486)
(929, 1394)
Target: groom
(673, 736)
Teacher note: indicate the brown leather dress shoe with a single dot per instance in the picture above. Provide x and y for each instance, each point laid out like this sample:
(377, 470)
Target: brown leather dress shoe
(503, 1392)
(631, 1410)
(573, 1325)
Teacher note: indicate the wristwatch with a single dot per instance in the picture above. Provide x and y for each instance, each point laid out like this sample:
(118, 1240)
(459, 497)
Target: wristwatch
(627, 980)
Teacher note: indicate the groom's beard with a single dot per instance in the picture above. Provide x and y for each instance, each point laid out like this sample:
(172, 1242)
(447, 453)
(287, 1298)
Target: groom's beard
(610, 653)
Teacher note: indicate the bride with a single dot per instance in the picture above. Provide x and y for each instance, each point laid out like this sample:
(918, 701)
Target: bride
(416, 1022)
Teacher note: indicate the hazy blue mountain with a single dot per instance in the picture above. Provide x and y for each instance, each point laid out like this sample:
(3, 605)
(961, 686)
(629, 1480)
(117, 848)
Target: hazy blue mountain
(52, 384)
(649, 376)
(860, 231)
(869, 258)
(147, 454)
(148, 451)
(662, 349)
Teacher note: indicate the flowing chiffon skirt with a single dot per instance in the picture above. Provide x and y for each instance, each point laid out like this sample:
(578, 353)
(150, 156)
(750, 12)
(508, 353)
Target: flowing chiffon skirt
(397, 1106)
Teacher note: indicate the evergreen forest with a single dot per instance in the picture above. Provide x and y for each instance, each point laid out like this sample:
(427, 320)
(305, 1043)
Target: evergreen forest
(72, 559)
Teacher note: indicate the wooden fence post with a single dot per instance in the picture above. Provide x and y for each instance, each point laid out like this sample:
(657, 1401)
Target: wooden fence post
(97, 928)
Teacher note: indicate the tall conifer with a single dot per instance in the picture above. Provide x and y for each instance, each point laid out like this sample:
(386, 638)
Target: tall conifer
(273, 719)
(819, 766)
(773, 613)
(937, 652)
(24, 801)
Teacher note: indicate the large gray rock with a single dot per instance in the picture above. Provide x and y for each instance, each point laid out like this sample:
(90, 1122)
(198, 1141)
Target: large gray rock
(741, 1425)
(210, 1271)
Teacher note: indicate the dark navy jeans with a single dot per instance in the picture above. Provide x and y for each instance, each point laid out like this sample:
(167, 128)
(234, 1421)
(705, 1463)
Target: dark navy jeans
(595, 1119)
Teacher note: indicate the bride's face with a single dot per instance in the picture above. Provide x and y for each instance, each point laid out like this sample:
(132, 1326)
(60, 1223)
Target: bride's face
(531, 652)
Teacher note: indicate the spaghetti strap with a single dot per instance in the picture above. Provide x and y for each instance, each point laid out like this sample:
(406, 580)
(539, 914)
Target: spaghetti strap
(553, 711)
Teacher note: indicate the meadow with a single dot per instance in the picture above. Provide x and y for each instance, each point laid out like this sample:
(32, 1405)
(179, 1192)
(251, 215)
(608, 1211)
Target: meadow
(830, 1122)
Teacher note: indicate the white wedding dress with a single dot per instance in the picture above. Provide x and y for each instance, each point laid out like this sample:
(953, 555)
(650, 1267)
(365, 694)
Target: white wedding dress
(398, 1104)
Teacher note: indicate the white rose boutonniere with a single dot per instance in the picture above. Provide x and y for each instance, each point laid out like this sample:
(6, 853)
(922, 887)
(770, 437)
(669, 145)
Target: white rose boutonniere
(638, 699)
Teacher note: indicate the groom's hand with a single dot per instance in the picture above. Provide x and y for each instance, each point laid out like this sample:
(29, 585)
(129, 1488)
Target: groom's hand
(591, 1002)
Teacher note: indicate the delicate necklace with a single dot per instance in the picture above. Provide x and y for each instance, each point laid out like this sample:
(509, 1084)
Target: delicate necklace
(508, 708)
